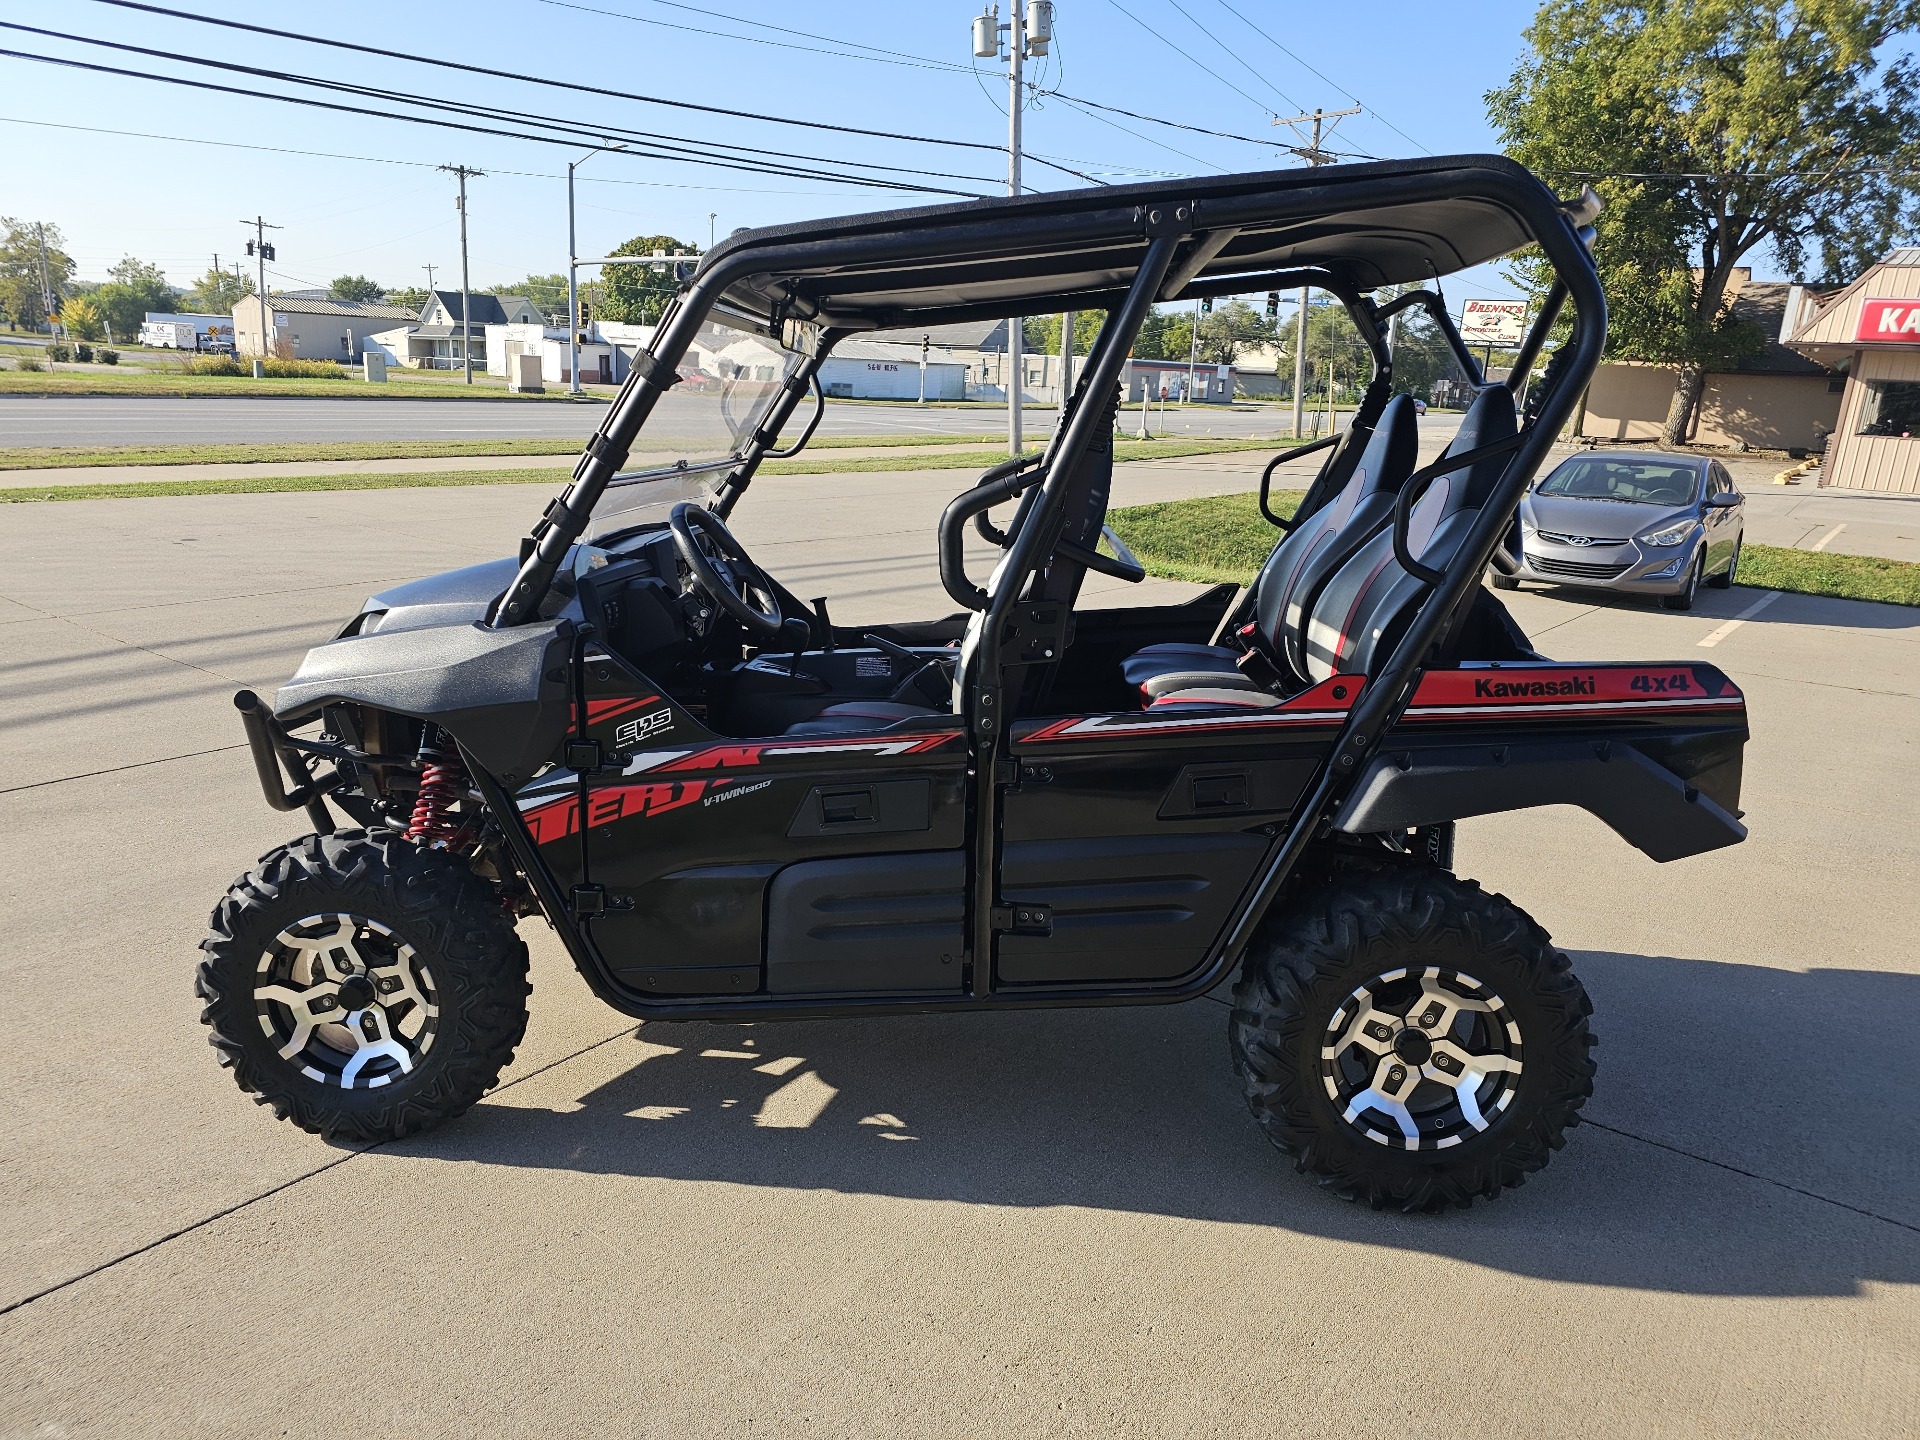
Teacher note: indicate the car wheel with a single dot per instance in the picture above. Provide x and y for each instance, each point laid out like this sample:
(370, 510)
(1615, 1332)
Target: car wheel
(1724, 580)
(1410, 1039)
(1682, 599)
(1502, 582)
(363, 987)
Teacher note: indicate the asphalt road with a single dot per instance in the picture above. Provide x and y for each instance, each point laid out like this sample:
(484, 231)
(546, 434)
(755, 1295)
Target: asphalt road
(115, 420)
(1085, 1235)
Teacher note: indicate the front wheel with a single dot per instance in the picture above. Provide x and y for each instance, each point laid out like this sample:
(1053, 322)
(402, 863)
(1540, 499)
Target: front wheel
(363, 987)
(1682, 599)
(1410, 1039)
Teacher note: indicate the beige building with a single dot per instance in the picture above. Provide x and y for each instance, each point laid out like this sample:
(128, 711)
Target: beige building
(306, 328)
(1871, 330)
(1779, 399)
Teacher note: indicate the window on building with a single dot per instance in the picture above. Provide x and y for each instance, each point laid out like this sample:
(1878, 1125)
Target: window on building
(1891, 407)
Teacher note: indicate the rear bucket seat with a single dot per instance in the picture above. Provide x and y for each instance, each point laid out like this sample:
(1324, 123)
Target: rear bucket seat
(1293, 574)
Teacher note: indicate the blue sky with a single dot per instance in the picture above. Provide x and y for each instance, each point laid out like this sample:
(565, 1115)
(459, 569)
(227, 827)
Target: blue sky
(1419, 70)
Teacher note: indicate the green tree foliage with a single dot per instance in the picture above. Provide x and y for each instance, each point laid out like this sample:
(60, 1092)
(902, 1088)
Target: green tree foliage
(356, 288)
(636, 294)
(1713, 128)
(547, 292)
(136, 288)
(1042, 332)
(21, 243)
(410, 299)
(218, 291)
(1232, 328)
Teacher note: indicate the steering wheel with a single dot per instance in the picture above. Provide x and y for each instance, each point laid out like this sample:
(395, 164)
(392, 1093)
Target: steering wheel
(721, 569)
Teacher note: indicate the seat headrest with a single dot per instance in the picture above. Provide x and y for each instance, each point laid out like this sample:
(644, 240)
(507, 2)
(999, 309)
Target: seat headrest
(1392, 450)
(1491, 417)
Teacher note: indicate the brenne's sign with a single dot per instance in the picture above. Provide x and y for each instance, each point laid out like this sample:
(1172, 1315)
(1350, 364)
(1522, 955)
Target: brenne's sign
(1889, 322)
(1493, 322)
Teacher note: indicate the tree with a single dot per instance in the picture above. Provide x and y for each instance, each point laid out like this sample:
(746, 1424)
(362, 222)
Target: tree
(22, 269)
(136, 288)
(1042, 332)
(636, 294)
(82, 319)
(1226, 332)
(355, 288)
(410, 299)
(1713, 128)
(218, 291)
(548, 292)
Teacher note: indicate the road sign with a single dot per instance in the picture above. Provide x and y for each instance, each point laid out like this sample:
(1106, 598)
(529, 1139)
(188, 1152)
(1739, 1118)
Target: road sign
(1494, 322)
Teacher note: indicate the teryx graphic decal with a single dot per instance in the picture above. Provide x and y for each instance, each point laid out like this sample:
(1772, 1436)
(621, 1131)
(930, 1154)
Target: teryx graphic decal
(561, 818)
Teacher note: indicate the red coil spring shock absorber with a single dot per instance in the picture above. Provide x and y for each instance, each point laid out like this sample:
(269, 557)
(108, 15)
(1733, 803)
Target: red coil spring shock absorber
(443, 782)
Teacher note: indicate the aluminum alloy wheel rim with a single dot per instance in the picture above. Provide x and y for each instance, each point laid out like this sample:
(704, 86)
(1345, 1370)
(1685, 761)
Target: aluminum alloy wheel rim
(308, 992)
(1450, 1077)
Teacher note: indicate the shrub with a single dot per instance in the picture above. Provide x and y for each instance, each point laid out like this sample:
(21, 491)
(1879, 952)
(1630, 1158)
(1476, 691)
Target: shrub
(83, 353)
(215, 365)
(107, 357)
(279, 369)
(26, 362)
(60, 354)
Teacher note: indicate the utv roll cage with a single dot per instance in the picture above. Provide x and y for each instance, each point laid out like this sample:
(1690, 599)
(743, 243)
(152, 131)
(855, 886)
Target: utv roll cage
(1345, 229)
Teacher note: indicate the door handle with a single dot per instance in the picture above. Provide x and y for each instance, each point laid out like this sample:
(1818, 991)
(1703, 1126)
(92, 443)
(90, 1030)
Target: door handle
(847, 807)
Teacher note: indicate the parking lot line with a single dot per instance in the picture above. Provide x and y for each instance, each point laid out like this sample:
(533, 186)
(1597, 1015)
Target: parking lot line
(1745, 615)
(1828, 538)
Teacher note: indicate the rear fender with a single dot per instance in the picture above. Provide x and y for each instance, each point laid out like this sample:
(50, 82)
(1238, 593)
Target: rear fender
(1652, 750)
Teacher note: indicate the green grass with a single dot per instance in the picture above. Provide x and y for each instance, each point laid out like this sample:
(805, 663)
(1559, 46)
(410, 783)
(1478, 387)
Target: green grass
(427, 479)
(77, 457)
(1846, 577)
(1223, 537)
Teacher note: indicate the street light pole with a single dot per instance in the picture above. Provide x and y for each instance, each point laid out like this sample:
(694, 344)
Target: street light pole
(573, 272)
(258, 245)
(1029, 32)
(466, 294)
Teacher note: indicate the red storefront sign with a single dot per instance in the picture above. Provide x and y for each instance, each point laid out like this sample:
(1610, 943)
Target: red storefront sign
(1889, 322)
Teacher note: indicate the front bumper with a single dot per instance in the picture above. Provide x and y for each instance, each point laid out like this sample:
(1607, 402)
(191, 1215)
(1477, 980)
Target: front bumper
(1631, 567)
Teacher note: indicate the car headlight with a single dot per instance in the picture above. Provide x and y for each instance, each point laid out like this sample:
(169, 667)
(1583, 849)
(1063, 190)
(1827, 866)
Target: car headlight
(1672, 535)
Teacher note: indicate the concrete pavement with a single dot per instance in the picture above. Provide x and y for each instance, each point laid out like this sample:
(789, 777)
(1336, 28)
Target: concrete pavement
(1058, 1223)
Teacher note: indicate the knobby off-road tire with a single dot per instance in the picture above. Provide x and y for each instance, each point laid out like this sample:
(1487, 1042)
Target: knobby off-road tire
(364, 988)
(1327, 991)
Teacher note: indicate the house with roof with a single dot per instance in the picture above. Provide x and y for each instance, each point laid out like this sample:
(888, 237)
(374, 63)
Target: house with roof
(1780, 398)
(307, 328)
(1870, 333)
(434, 341)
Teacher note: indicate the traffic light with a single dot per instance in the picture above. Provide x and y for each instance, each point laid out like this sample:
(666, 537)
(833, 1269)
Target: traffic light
(266, 252)
(1206, 307)
(1273, 304)
(249, 247)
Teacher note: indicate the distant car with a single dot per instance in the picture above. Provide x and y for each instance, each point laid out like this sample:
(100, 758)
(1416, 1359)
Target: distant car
(1419, 406)
(1631, 521)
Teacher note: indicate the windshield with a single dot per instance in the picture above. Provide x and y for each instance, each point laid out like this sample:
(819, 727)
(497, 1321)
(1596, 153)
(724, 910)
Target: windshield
(1644, 482)
(729, 380)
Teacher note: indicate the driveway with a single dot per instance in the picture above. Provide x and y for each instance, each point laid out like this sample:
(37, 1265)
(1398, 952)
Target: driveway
(1054, 1223)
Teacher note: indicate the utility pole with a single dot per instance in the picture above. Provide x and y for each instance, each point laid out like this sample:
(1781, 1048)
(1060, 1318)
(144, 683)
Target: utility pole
(46, 288)
(1066, 363)
(1029, 32)
(429, 269)
(712, 215)
(573, 273)
(466, 297)
(1315, 157)
(1193, 351)
(261, 252)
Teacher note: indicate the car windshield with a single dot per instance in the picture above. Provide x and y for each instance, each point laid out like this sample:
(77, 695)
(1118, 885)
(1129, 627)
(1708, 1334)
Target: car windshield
(729, 380)
(1644, 482)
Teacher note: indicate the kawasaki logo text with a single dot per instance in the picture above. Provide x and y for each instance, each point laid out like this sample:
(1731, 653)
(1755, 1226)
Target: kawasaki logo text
(1530, 689)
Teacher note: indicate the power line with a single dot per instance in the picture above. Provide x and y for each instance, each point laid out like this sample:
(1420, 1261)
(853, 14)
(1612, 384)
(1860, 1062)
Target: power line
(1193, 59)
(885, 57)
(467, 108)
(757, 168)
(1295, 57)
(1234, 55)
(379, 159)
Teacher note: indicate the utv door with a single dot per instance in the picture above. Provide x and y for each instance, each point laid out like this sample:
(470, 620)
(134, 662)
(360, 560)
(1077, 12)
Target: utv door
(1132, 835)
(807, 866)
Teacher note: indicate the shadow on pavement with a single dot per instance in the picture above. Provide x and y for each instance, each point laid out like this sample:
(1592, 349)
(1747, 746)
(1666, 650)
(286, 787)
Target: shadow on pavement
(1804, 1079)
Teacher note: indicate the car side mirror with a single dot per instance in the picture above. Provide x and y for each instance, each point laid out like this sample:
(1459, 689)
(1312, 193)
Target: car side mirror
(1725, 499)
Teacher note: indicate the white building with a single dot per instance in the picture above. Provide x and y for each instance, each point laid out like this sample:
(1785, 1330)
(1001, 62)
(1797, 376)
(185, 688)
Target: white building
(886, 370)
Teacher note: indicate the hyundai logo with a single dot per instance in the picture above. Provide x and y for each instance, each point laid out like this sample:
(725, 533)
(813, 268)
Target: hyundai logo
(1579, 539)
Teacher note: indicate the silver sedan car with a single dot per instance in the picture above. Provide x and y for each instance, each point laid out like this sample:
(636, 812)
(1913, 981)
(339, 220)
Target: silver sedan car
(1638, 522)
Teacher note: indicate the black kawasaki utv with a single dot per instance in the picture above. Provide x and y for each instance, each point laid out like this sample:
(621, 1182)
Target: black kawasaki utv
(730, 808)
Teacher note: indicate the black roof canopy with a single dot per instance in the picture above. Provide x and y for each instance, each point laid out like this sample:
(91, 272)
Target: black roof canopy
(1357, 227)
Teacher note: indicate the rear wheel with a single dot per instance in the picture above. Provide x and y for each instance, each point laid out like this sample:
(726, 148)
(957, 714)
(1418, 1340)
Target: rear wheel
(1724, 580)
(1410, 1039)
(1502, 582)
(363, 987)
(1682, 599)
